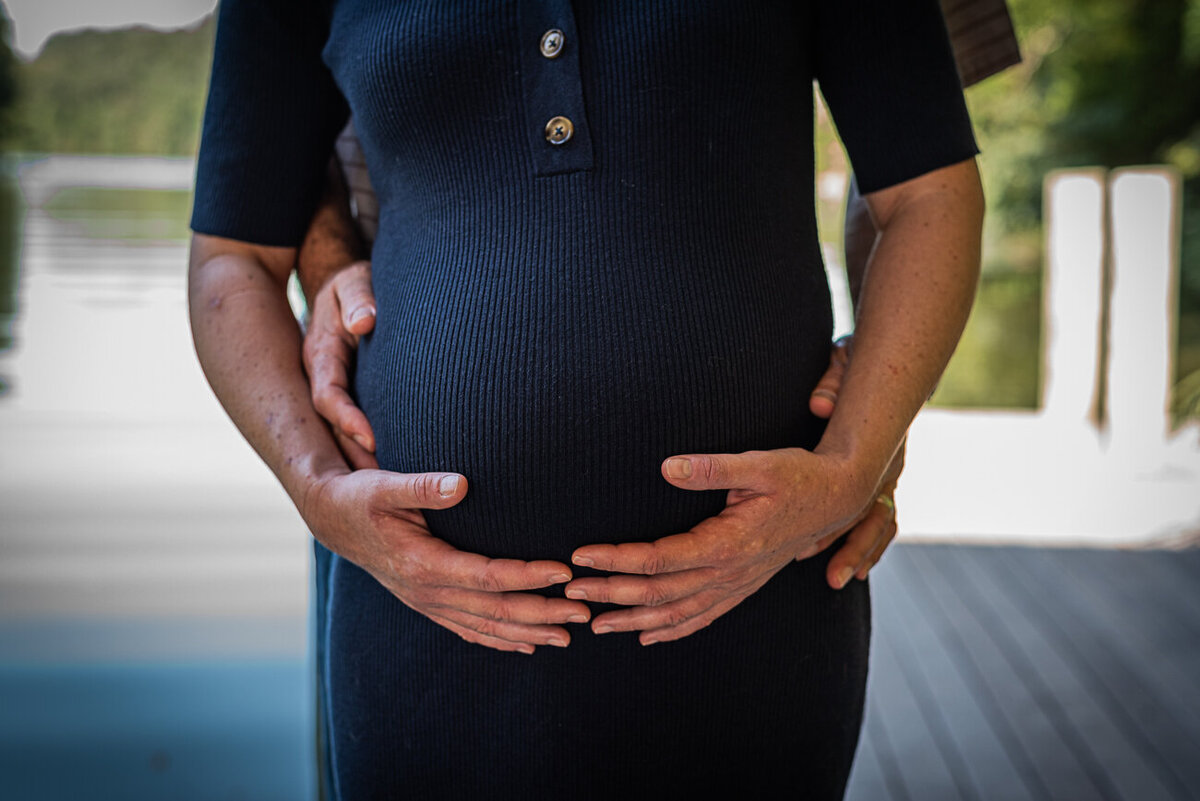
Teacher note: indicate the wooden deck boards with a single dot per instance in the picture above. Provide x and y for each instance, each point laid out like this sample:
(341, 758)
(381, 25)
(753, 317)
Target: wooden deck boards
(1025, 673)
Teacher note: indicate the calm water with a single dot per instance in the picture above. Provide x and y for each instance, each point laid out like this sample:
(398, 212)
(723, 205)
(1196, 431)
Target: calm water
(152, 575)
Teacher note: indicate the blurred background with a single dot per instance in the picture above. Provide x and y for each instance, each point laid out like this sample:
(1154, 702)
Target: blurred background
(153, 577)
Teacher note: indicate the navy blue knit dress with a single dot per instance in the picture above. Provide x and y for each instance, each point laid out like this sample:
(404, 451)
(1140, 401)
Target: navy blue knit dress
(555, 318)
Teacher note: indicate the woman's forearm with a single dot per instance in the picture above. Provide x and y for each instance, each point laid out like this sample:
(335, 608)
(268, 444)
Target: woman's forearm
(917, 293)
(249, 347)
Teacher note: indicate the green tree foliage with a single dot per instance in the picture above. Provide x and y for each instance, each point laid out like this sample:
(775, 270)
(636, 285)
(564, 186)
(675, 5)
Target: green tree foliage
(127, 91)
(8, 77)
(1104, 82)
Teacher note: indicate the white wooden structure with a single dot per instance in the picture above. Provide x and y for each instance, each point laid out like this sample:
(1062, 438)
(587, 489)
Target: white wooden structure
(1098, 463)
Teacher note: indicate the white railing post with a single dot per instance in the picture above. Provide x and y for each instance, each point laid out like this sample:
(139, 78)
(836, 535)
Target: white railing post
(1073, 294)
(1142, 311)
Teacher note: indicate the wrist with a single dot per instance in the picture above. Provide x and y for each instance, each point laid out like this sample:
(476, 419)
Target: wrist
(858, 467)
(310, 474)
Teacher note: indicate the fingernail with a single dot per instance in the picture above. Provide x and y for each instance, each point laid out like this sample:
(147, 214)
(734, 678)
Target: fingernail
(679, 468)
(447, 486)
(557, 642)
(577, 619)
(360, 313)
(560, 578)
(826, 394)
(843, 576)
(582, 561)
(577, 595)
(649, 641)
(362, 441)
(526, 649)
(603, 628)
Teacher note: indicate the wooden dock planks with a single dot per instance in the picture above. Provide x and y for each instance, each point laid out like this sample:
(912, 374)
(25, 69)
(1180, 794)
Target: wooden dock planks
(1027, 673)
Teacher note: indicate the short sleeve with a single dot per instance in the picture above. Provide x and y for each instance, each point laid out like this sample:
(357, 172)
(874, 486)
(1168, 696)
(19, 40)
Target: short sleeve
(888, 76)
(982, 36)
(273, 114)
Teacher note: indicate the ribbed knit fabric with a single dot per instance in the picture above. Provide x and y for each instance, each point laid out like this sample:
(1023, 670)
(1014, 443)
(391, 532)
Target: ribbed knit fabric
(554, 323)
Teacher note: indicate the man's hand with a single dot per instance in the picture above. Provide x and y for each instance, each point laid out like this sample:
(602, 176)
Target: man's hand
(781, 505)
(342, 311)
(865, 543)
(373, 518)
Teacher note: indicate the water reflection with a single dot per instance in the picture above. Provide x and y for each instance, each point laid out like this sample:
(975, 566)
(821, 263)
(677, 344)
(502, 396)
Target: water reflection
(114, 444)
(152, 574)
(10, 226)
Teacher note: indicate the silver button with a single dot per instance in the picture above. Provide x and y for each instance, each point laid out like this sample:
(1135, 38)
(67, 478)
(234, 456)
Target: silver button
(552, 43)
(559, 130)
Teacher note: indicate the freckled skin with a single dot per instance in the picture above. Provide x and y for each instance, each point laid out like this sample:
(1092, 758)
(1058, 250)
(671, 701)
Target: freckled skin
(899, 322)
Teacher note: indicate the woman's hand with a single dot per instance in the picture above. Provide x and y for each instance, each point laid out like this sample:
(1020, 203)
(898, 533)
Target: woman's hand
(373, 518)
(344, 309)
(249, 346)
(781, 506)
(864, 544)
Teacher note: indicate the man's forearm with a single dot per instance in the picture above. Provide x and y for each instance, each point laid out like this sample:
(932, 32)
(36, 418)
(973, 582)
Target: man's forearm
(333, 239)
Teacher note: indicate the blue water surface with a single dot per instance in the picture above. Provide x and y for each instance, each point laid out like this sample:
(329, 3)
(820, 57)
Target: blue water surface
(203, 730)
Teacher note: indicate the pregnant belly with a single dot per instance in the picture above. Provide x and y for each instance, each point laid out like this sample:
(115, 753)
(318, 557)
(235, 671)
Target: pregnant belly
(559, 397)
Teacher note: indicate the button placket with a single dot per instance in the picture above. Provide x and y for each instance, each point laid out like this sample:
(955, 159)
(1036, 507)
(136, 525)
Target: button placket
(553, 91)
(558, 129)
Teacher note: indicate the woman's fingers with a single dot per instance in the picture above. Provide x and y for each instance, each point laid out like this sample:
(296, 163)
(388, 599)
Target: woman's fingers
(373, 518)
(677, 619)
(647, 618)
(445, 566)
(492, 615)
(478, 638)
(707, 471)
(640, 590)
(705, 545)
(511, 607)
(431, 562)
(483, 595)
(694, 624)
(529, 634)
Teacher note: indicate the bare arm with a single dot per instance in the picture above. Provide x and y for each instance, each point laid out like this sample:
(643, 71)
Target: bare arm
(249, 346)
(863, 545)
(781, 504)
(333, 240)
(337, 285)
(916, 295)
